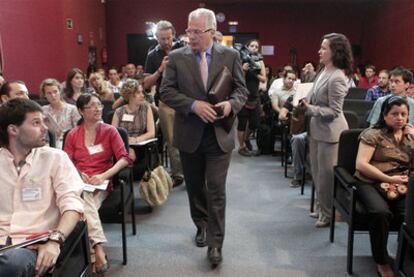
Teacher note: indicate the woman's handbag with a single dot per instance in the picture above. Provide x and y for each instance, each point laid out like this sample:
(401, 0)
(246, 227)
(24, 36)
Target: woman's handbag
(392, 191)
(155, 186)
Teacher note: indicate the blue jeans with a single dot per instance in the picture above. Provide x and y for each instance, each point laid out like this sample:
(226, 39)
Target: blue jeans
(19, 262)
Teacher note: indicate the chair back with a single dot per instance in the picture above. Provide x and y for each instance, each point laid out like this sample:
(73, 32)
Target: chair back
(356, 93)
(360, 107)
(107, 107)
(124, 135)
(352, 119)
(348, 149)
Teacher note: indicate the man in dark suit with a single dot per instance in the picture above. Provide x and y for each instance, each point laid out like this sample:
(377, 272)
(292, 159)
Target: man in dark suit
(205, 147)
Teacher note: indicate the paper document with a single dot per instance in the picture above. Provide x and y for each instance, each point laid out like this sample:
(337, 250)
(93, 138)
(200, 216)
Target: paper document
(302, 91)
(92, 188)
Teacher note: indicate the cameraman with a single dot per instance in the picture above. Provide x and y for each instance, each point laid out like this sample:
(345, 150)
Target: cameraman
(255, 72)
(155, 64)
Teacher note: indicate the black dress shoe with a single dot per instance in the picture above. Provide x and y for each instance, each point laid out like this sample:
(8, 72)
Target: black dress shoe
(214, 255)
(200, 238)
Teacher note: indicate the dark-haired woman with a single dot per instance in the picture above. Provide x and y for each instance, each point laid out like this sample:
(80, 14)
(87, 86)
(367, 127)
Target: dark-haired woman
(324, 107)
(91, 146)
(384, 159)
(74, 85)
(249, 114)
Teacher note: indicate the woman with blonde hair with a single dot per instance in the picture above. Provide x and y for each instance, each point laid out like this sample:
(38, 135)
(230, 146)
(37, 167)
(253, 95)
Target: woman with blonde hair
(60, 116)
(99, 85)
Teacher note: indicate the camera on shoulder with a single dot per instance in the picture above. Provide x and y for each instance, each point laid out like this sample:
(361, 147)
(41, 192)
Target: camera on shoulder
(248, 57)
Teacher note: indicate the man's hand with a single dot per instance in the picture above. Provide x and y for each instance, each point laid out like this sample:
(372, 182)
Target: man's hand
(226, 106)
(205, 111)
(85, 177)
(246, 67)
(163, 64)
(47, 255)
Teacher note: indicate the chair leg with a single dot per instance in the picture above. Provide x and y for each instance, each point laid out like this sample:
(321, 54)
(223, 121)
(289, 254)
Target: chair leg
(303, 180)
(350, 253)
(332, 227)
(124, 242)
(134, 225)
(312, 204)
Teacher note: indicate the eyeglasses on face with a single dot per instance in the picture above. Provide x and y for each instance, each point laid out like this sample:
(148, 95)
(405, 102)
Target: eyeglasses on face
(94, 106)
(196, 32)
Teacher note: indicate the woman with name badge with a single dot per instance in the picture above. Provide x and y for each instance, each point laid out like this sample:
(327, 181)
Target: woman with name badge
(136, 117)
(91, 146)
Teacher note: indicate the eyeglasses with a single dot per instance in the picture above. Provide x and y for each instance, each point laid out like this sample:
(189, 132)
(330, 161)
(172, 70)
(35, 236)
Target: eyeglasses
(196, 32)
(94, 106)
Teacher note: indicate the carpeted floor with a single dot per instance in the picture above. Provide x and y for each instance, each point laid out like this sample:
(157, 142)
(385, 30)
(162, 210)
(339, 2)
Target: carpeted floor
(268, 233)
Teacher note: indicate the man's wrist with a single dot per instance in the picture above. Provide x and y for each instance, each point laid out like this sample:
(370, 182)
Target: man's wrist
(57, 236)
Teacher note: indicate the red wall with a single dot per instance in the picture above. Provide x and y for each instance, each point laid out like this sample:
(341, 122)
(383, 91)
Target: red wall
(283, 25)
(128, 17)
(36, 43)
(388, 34)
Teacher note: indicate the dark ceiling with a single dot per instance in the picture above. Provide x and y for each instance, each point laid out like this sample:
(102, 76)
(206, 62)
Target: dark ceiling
(225, 2)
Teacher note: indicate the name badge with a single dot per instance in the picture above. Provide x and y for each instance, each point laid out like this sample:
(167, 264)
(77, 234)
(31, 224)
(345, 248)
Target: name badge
(95, 149)
(31, 194)
(128, 117)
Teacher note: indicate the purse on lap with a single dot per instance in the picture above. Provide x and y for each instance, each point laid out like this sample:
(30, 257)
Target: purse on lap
(155, 186)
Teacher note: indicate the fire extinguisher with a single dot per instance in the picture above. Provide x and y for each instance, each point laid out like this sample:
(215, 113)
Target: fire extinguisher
(104, 55)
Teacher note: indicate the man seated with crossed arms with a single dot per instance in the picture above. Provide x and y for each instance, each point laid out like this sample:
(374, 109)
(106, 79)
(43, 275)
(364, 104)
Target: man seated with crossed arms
(40, 191)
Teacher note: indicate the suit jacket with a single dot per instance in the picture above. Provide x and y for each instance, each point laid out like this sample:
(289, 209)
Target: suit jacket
(182, 85)
(327, 98)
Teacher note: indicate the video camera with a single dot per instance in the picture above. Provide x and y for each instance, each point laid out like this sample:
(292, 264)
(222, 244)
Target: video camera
(178, 43)
(250, 58)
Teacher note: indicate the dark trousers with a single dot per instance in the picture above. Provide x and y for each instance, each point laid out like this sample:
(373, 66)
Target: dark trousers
(205, 173)
(381, 213)
(409, 204)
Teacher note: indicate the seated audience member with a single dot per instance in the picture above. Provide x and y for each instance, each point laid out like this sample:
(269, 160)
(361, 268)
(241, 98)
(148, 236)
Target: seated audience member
(297, 141)
(400, 80)
(218, 37)
(350, 83)
(384, 160)
(136, 116)
(74, 85)
(280, 96)
(102, 72)
(40, 191)
(114, 83)
(308, 73)
(59, 115)
(370, 78)
(13, 89)
(277, 84)
(91, 146)
(130, 72)
(98, 84)
(382, 89)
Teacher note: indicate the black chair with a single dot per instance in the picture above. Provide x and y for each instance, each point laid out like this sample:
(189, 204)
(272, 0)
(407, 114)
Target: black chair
(405, 253)
(352, 119)
(360, 107)
(356, 93)
(74, 258)
(121, 200)
(107, 108)
(344, 197)
(51, 138)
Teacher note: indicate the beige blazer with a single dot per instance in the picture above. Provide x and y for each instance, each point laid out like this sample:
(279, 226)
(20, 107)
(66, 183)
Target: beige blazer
(327, 98)
(182, 84)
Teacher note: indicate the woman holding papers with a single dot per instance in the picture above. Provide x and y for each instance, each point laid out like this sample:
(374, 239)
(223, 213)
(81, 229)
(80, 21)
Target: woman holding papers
(324, 106)
(136, 117)
(91, 146)
(60, 116)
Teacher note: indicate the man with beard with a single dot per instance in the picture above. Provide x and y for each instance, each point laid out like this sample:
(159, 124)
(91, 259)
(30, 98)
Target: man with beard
(382, 89)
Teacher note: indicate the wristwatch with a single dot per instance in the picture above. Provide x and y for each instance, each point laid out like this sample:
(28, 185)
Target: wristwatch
(57, 236)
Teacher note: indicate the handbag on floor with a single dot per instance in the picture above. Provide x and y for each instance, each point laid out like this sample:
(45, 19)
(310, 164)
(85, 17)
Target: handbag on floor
(155, 186)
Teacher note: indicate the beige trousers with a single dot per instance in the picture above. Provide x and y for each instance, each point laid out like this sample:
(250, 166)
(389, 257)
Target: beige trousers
(93, 201)
(167, 115)
(323, 157)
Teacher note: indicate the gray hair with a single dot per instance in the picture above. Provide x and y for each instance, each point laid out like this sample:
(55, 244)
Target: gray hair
(208, 14)
(164, 25)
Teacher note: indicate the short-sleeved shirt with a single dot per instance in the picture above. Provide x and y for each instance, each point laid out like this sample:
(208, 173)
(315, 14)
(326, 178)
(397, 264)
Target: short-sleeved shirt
(135, 123)
(153, 62)
(282, 95)
(376, 110)
(389, 156)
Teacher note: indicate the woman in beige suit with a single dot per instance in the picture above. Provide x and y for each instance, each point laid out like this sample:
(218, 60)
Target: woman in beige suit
(324, 106)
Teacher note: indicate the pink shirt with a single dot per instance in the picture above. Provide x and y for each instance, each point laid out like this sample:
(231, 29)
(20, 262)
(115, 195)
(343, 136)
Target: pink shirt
(33, 202)
(111, 145)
